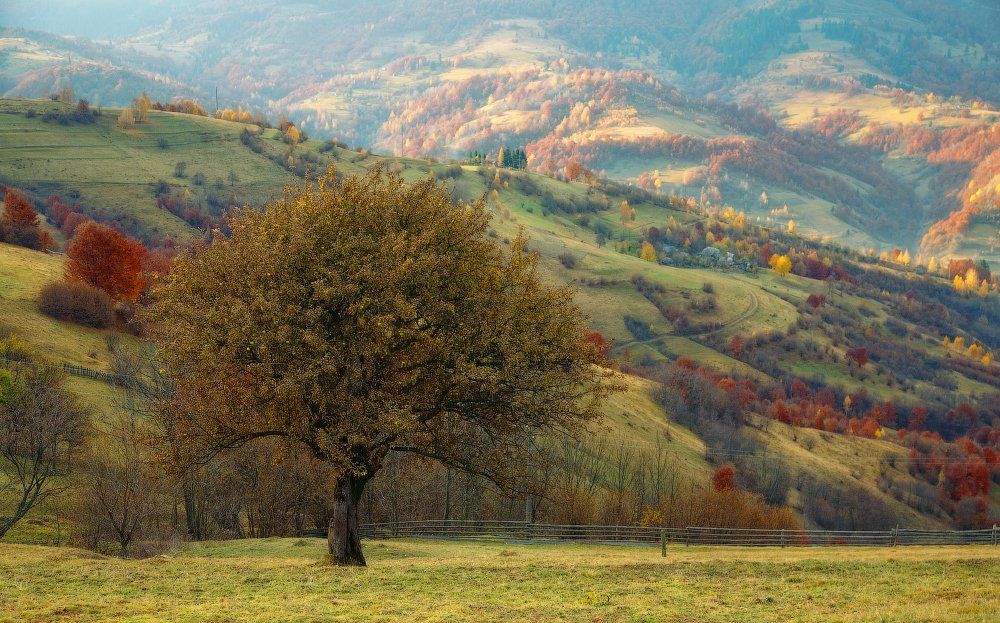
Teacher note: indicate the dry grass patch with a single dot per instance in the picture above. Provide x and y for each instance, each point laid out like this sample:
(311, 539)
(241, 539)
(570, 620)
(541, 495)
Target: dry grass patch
(278, 580)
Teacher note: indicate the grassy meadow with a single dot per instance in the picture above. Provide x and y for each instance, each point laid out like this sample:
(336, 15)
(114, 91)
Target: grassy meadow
(23, 273)
(114, 170)
(415, 580)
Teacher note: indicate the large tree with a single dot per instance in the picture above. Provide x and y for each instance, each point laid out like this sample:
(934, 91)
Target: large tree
(364, 316)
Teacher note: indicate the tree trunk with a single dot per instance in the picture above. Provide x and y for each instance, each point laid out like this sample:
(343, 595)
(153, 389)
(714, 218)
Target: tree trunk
(344, 532)
(190, 509)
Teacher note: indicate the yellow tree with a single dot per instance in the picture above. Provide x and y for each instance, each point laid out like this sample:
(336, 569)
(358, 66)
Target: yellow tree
(932, 265)
(781, 264)
(959, 284)
(292, 134)
(971, 280)
(648, 252)
(142, 104)
(126, 120)
(625, 212)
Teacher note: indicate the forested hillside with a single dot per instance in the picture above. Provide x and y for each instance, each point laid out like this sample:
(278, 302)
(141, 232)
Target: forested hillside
(874, 126)
(830, 380)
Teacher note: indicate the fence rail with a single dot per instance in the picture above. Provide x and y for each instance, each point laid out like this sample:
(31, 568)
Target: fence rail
(91, 373)
(692, 535)
(69, 368)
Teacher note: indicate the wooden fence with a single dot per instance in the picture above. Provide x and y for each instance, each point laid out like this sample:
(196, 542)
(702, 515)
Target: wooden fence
(517, 531)
(90, 373)
(82, 371)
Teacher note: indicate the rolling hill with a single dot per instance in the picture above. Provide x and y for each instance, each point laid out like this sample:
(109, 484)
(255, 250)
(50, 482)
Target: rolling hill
(683, 307)
(615, 87)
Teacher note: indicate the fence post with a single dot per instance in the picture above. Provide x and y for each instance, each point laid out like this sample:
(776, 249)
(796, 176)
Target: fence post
(663, 542)
(687, 537)
(895, 532)
(994, 535)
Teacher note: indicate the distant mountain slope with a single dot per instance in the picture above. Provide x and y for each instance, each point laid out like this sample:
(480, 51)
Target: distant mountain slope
(612, 85)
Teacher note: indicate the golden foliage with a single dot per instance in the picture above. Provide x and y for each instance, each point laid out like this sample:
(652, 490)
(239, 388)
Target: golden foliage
(781, 264)
(126, 120)
(648, 252)
(360, 315)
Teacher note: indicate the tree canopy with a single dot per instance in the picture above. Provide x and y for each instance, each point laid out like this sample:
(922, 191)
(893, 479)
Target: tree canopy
(361, 316)
(103, 258)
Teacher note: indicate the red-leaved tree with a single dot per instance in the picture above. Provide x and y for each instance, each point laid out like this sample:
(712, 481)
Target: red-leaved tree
(858, 355)
(600, 343)
(103, 258)
(18, 210)
(724, 478)
(19, 224)
(816, 300)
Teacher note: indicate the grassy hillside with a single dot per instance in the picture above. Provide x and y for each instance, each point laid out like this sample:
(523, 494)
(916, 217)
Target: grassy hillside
(407, 78)
(118, 181)
(113, 172)
(842, 462)
(285, 579)
(23, 273)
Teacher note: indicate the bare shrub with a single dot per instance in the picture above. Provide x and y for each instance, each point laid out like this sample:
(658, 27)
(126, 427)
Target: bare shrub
(123, 505)
(77, 302)
(568, 260)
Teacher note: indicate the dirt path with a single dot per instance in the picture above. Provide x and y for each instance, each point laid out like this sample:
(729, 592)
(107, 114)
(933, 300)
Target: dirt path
(750, 311)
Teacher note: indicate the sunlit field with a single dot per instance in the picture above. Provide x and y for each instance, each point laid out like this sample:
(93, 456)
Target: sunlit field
(502, 297)
(288, 580)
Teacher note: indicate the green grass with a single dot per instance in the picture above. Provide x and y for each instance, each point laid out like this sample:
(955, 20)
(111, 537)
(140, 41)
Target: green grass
(287, 580)
(23, 273)
(114, 170)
